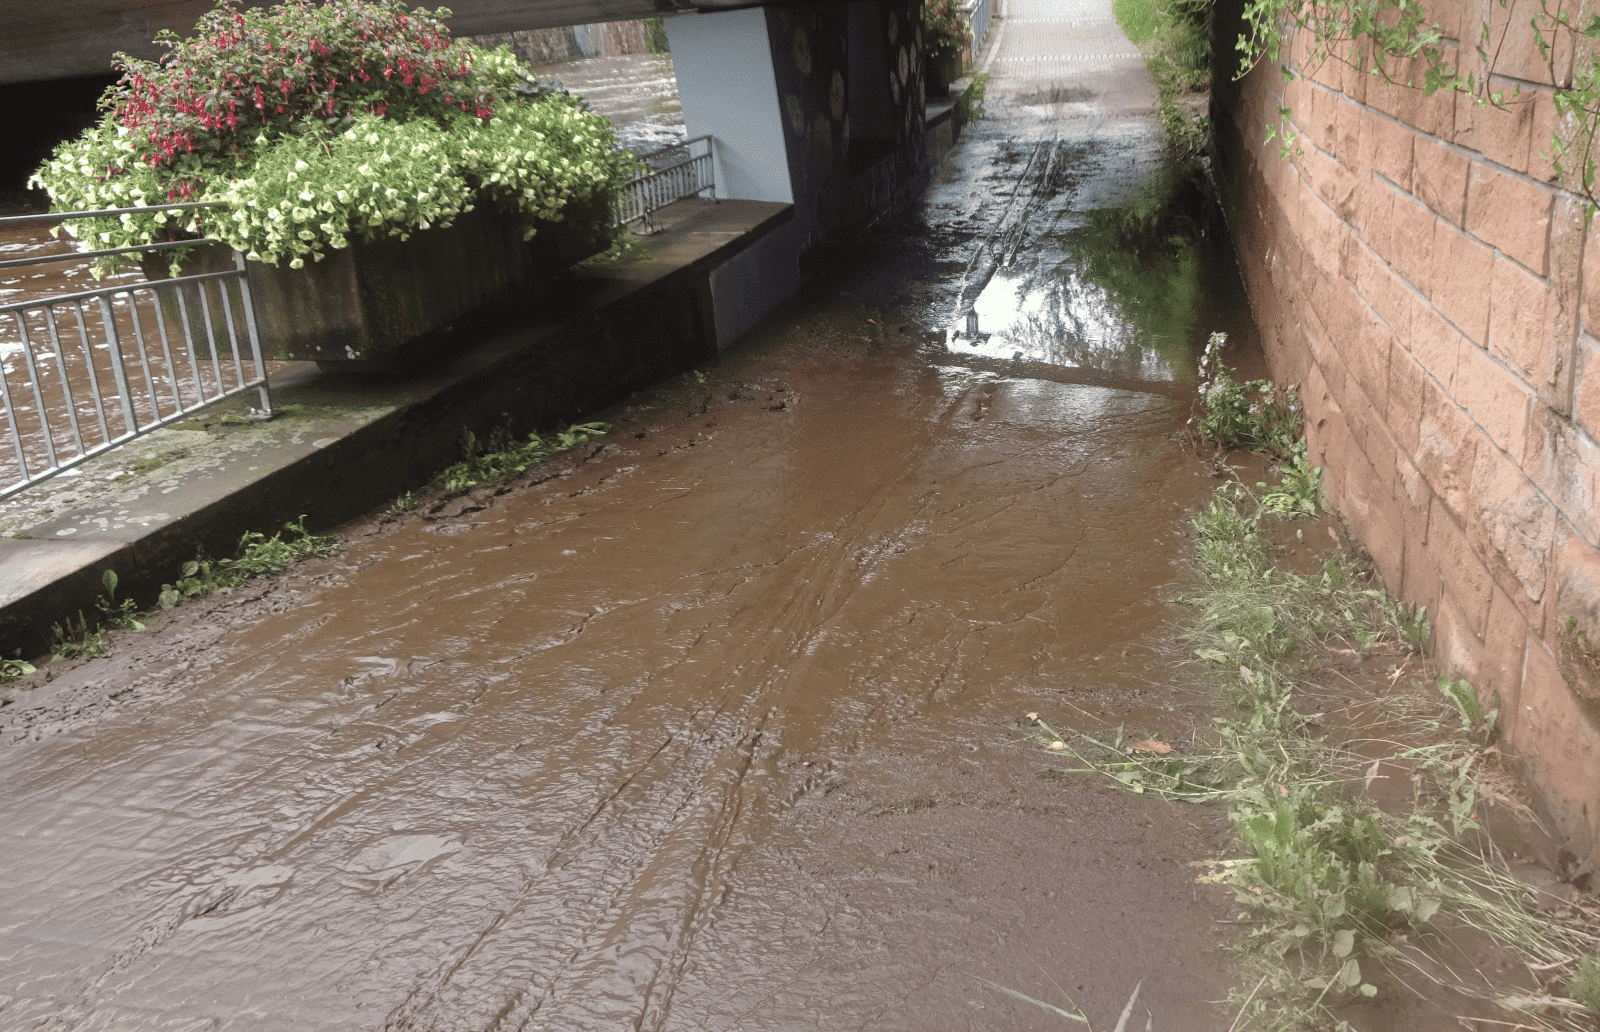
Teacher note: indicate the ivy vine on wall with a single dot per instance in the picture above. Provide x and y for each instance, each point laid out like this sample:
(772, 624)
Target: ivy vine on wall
(1395, 41)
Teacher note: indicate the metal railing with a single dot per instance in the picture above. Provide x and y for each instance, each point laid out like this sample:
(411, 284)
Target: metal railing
(978, 18)
(82, 372)
(683, 170)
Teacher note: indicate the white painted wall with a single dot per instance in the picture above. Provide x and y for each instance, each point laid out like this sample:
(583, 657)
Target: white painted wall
(725, 82)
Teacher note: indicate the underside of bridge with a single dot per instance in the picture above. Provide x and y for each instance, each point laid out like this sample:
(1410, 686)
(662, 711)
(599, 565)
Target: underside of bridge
(70, 38)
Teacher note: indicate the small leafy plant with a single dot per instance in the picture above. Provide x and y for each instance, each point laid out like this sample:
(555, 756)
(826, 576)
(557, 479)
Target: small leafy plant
(1246, 414)
(73, 638)
(1299, 491)
(124, 615)
(13, 669)
(257, 555)
(77, 638)
(486, 462)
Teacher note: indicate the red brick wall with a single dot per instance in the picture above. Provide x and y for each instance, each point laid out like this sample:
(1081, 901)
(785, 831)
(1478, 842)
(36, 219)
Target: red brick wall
(1437, 298)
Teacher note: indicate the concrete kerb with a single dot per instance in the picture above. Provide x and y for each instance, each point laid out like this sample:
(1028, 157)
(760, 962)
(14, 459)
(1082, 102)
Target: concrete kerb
(351, 444)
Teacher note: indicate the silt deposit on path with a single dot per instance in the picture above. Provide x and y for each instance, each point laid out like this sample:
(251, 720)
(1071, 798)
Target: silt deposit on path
(715, 724)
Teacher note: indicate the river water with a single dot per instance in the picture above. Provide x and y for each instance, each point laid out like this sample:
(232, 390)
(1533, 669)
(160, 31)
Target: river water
(717, 723)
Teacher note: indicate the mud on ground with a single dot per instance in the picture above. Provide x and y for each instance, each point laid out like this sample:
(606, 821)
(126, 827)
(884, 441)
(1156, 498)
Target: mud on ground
(717, 723)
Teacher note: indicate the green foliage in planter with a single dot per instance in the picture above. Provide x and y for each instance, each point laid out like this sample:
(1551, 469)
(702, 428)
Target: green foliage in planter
(317, 124)
(944, 27)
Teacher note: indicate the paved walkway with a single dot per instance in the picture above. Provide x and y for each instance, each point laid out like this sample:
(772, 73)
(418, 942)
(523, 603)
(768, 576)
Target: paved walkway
(1067, 59)
(716, 725)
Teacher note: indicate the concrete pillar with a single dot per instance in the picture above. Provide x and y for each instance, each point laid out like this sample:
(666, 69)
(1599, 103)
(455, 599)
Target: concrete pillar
(726, 84)
(874, 116)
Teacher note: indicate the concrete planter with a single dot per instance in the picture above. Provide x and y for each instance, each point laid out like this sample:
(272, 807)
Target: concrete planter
(375, 305)
(941, 68)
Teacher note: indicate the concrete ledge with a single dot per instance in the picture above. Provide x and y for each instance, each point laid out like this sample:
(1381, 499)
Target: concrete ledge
(945, 119)
(347, 444)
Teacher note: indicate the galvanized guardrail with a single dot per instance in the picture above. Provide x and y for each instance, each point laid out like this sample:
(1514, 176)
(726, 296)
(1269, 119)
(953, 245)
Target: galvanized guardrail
(978, 18)
(82, 372)
(685, 169)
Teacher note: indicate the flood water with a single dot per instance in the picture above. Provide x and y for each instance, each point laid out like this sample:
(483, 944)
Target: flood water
(717, 723)
(78, 374)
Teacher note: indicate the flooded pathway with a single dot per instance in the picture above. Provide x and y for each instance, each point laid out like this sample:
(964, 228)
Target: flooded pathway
(716, 724)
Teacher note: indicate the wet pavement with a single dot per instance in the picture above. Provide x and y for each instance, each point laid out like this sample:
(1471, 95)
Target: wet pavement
(716, 724)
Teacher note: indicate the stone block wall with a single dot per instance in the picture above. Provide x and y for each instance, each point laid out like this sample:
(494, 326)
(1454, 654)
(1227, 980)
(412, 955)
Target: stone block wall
(1418, 271)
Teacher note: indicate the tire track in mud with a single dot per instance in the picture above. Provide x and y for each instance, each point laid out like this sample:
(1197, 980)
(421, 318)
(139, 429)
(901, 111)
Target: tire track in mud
(1044, 176)
(690, 794)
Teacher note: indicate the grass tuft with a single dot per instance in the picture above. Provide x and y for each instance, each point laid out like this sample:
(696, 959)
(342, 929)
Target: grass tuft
(1342, 895)
(1139, 18)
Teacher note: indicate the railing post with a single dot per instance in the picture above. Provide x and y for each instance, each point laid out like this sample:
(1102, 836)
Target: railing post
(119, 372)
(56, 405)
(265, 412)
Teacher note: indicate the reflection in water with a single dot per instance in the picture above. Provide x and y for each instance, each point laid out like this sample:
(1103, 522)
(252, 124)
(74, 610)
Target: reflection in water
(1130, 291)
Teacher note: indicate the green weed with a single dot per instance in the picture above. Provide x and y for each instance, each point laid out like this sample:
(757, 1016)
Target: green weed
(1335, 888)
(78, 638)
(122, 616)
(1249, 415)
(972, 99)
(73, 638)
(257, 556)
(1584, 985)
(1299, 492)
(13, 669)
(500, 456)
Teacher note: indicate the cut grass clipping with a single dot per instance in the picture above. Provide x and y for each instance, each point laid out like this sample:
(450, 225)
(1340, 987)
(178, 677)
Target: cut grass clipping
(1342, 895)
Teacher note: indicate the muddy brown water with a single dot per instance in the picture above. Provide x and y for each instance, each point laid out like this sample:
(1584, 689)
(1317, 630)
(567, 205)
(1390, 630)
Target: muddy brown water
(719, 728)
(718, 723)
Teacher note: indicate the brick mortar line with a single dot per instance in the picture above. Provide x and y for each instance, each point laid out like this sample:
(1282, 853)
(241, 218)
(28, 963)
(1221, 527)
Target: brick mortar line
(1447, 41)
(1383, 417)
(1555, 191)
(1472, 156)
(1464, 231)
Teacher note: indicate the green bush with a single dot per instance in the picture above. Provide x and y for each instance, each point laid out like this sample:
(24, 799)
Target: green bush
(319, 124)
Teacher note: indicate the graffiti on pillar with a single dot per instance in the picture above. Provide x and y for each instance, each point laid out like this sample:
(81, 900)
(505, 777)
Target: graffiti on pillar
(845, 179)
